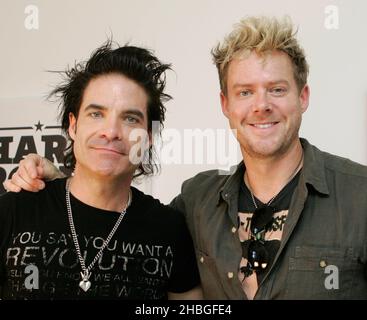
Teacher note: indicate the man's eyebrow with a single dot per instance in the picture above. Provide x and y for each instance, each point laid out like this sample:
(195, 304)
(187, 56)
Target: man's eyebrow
(242, 85)
(273, 82)
(131, 111)
(280, 81)
(135, 112)
(94, 106)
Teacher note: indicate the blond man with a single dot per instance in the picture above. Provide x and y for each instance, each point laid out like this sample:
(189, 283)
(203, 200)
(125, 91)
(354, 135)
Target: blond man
(288, 223)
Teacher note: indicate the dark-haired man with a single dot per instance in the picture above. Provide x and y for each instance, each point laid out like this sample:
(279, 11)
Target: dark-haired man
(288, 223)
(93, 236)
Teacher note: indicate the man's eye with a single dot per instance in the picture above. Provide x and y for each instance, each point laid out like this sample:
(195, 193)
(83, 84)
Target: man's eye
(245, 93)
(96, 114)
(131, 119)
(278, 91)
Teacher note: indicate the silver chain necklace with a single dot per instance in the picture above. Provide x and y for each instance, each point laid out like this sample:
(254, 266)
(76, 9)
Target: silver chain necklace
(254, 201)
(85, 284)
(289, 179)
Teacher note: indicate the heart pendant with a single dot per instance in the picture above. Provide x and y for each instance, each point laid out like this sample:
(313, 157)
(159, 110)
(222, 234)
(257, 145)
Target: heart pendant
(85, 285)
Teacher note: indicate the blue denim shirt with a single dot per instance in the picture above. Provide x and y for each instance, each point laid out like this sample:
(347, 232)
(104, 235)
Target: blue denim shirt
(323, 251)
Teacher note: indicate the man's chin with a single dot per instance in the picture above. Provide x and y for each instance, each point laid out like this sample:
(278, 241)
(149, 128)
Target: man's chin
(263, 150)
(111, 171)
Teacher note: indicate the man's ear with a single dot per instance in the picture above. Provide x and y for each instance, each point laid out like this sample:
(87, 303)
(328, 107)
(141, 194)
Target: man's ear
(224, 103)
(304, 97)
(72, 126)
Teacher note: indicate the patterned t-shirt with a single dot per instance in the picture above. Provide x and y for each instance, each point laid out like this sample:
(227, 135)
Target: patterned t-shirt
(273, 235)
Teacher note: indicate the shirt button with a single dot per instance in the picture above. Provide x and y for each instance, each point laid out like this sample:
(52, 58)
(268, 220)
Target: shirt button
(234, 230)
(230, 275)
(202, 259)
(323, 264)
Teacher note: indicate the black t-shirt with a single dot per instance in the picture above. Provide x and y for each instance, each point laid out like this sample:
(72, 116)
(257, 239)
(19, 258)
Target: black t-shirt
(150, 254)
(246, 208)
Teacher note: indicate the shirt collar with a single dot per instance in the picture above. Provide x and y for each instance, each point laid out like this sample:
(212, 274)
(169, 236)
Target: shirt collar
(314, 167)
(313, 173)
(233, 183)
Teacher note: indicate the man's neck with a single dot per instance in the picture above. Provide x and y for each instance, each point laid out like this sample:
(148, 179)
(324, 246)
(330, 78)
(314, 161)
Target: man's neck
(266, 177)
(100, 192)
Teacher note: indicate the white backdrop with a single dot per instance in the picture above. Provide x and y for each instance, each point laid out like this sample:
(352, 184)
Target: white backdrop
(36, 36)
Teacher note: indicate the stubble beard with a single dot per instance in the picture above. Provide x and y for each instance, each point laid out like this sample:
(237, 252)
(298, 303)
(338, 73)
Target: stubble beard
(271, 148)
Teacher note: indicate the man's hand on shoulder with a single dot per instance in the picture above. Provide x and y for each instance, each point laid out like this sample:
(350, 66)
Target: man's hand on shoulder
(33, 169)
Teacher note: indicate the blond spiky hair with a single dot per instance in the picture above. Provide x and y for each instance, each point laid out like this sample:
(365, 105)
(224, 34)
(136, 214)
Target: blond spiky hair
(261, 34)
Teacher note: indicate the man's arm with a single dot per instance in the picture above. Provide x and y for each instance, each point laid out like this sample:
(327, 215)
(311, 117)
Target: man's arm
(33, 169)
(193, 294)
(178, 204)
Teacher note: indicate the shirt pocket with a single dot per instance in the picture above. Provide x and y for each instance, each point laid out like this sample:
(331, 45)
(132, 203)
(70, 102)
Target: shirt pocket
(323, 273)
(210, 280)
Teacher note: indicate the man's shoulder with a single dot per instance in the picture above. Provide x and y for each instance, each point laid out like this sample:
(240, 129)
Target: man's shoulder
(8, 198)
(210, 179)
(320, 160)
(27, 197)
(152, 206)
(141, 197)
(344, 166)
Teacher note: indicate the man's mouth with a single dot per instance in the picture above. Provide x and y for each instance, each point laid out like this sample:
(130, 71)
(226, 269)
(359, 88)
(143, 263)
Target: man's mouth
(110, 150)
(264, 125)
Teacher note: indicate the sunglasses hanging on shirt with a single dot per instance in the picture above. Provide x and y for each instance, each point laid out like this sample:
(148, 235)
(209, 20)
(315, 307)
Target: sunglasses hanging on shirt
(254, 249)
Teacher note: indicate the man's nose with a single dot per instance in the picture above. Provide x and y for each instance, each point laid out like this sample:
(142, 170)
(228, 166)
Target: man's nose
(262, 103)
(112, 128)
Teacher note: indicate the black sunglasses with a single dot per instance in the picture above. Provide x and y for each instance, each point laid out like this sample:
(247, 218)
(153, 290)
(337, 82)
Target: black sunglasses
(254, 250)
